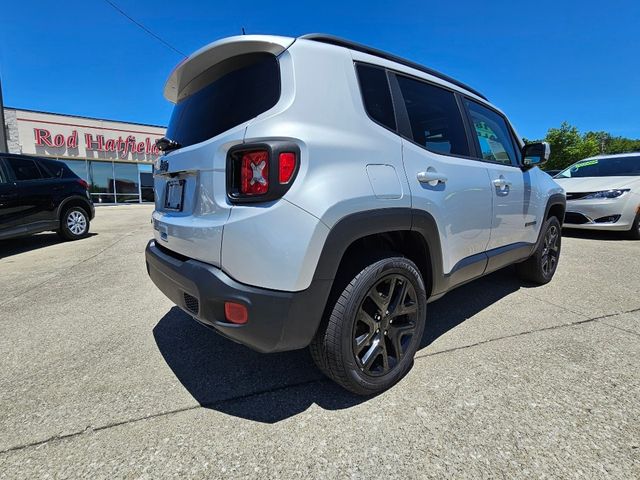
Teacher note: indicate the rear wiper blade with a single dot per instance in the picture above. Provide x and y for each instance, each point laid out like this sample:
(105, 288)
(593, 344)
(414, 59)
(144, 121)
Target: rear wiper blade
(165, 144)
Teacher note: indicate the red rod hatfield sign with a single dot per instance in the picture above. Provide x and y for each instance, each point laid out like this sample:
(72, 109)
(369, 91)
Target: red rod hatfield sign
(123, 146)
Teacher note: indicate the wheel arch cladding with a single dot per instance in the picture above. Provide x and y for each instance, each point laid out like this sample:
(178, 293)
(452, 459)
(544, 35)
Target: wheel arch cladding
(75, 201)
(556, 207)
(402, 230)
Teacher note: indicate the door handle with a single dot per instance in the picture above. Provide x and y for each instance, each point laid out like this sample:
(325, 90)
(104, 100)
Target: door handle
(501, 182)
(431, 177)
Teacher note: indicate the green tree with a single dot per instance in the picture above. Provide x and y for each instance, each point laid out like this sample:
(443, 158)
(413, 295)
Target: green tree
(569, 146)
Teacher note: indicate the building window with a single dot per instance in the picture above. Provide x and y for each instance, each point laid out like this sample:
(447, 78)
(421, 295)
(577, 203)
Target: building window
(79, 167)
(146, 182)
(127, 183)
(101, 184)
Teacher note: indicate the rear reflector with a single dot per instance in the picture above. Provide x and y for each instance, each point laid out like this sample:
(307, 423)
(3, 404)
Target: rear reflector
(236, 313)
(286, 165)
(254, 173)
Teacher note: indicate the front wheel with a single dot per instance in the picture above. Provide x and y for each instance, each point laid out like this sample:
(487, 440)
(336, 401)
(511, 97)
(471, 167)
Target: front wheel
(375, 327)
(542, 265)
(74, 224)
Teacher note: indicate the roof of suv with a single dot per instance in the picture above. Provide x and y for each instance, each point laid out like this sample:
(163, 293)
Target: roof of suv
(192, 66)
(341, 42)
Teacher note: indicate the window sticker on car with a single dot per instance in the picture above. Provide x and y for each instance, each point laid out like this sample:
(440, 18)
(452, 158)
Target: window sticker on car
(583, 164)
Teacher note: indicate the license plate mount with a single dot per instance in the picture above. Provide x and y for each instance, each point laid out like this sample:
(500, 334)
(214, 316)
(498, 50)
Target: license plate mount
(174, 196)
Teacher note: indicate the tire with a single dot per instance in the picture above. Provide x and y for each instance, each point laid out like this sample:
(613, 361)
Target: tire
(542, 265)
(74, 223)
(634, 233)
(373, 331)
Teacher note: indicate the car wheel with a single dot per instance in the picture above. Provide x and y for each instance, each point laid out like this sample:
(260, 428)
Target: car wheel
(74, 224)
(375, 327)
(634, 233)
(542, 265)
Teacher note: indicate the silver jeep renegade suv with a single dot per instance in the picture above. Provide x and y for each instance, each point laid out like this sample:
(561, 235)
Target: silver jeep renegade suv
(317, 192)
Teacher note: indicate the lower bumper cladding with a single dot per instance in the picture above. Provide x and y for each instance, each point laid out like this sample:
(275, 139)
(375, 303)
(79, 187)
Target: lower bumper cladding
(276, 320)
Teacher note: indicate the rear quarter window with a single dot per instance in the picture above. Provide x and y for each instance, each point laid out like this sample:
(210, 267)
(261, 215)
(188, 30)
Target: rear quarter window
(376, 94)
(51, 168)
(228, 94)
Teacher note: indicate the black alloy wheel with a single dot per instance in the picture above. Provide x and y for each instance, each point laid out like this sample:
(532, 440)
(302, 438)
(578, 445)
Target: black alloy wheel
(385, 324)
(541, 266)
(374, 326)
(550, 251)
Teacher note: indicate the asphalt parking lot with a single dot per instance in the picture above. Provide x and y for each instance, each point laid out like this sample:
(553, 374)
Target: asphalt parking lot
(102, 377)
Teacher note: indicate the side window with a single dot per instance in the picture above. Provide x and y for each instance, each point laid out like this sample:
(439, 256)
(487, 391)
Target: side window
(436, 122)
(4, 178)
(376, 94)
(24, 168)
(494, 136)
(50, 168)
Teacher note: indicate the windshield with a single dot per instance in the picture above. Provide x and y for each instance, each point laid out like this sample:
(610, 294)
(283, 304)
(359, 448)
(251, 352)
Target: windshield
(603, 167)
(233, 91)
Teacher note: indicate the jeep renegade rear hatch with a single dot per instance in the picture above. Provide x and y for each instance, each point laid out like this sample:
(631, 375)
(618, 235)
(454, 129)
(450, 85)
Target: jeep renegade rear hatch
(216, 90)
(231, 92)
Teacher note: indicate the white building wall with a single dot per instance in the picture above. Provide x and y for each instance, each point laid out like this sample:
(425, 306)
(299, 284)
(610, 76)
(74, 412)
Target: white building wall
(70, 137)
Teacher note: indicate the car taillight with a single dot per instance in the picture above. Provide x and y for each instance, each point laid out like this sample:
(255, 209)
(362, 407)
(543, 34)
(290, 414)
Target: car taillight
(254, 173)
(286, 166)
(261, 172)
(82, 183)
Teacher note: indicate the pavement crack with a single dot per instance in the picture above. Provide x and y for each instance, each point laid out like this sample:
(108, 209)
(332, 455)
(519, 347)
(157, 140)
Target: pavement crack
(620, 328)
(212, 405)
(207, 405)
(545, 300)
(527, 332)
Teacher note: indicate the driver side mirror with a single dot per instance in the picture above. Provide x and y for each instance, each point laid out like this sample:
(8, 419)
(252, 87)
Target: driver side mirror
(535, 154)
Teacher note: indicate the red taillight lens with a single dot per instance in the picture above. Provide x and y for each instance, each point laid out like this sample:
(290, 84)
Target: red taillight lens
(236, 313)
(254, 173)
(84, 184)
(286, 165)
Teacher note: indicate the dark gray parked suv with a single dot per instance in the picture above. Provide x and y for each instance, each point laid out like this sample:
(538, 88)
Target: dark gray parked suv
(37, 195)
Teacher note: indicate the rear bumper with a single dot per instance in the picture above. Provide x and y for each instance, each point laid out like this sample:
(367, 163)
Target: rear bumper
(278, 321)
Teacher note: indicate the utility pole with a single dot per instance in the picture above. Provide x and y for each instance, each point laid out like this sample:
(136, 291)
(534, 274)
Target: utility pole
(4, 148)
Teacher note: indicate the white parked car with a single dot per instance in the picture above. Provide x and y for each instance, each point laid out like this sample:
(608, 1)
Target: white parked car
(603, 193)
(317, 192)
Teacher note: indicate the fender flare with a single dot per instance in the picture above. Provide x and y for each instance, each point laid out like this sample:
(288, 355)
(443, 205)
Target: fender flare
(311, 303)
(74, 198)
(555, 199)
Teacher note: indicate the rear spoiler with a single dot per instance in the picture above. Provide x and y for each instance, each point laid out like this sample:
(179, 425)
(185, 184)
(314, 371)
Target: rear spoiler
(201, 60)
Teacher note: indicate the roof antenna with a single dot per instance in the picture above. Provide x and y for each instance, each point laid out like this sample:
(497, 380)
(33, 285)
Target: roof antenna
(243, 32)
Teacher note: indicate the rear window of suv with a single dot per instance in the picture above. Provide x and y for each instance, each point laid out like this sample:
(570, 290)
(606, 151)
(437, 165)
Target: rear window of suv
(228, 94)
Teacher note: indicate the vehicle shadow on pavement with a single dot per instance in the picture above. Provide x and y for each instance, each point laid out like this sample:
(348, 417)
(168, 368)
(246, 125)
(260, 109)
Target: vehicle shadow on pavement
(464, 302)
(594, 234)
(233, 379)
(230, 378)
(19, 245)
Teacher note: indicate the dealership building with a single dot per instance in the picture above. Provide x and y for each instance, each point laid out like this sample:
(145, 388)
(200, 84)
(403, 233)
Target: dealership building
(115, 158)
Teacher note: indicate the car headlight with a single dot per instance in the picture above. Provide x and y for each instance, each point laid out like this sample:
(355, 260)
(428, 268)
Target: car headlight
(607, 194)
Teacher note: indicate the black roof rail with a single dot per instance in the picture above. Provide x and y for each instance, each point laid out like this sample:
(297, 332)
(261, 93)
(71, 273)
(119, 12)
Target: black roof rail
(341, 42)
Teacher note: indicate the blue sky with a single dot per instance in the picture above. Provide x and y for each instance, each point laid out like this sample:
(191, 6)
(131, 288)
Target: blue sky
(541, 62)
